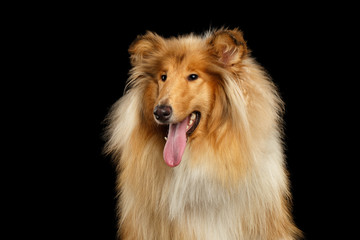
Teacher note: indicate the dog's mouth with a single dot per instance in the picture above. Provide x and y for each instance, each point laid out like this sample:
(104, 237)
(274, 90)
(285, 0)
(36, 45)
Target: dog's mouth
(177, 137)
(193, 121)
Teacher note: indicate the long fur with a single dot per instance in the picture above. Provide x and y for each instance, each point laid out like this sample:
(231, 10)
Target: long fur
(231, 182)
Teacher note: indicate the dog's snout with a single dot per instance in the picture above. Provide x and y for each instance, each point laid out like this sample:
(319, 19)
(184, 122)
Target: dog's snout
(162, 112)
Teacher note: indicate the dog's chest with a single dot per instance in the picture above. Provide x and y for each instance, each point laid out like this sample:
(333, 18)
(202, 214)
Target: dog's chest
(200, 204)
(191, 186)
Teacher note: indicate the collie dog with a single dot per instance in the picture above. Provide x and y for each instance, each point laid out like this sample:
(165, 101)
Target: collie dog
(197, 138)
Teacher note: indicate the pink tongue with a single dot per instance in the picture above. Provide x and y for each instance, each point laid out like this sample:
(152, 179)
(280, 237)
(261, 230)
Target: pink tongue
(176, 143)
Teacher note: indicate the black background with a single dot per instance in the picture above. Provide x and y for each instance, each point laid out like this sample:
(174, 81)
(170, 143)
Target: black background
(74, 66)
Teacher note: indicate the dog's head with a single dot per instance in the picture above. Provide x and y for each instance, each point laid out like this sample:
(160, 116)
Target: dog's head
(183, 85)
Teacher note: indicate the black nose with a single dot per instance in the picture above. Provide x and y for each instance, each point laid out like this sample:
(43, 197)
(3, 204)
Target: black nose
(162, 112)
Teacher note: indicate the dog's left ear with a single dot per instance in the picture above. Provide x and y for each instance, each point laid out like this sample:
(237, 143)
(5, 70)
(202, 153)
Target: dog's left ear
(229, 46)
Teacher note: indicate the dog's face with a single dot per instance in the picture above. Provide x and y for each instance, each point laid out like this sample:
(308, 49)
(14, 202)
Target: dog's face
(182, 79)
(185, 89)
(183, 71)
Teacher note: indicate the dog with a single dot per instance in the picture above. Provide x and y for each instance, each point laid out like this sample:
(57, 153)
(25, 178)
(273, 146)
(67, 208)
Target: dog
(197, 141)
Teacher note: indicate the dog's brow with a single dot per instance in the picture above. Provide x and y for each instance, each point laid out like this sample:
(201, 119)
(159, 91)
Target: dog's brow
(180, 58)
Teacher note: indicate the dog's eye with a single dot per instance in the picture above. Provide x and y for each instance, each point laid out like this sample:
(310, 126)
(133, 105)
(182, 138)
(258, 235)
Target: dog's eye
(163, 77)
(192, 77)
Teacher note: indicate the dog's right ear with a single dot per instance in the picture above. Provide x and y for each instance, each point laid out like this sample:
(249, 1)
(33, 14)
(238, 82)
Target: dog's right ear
(143, 46)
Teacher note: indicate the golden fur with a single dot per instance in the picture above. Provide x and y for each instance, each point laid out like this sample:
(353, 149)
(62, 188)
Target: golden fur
(231, 182)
